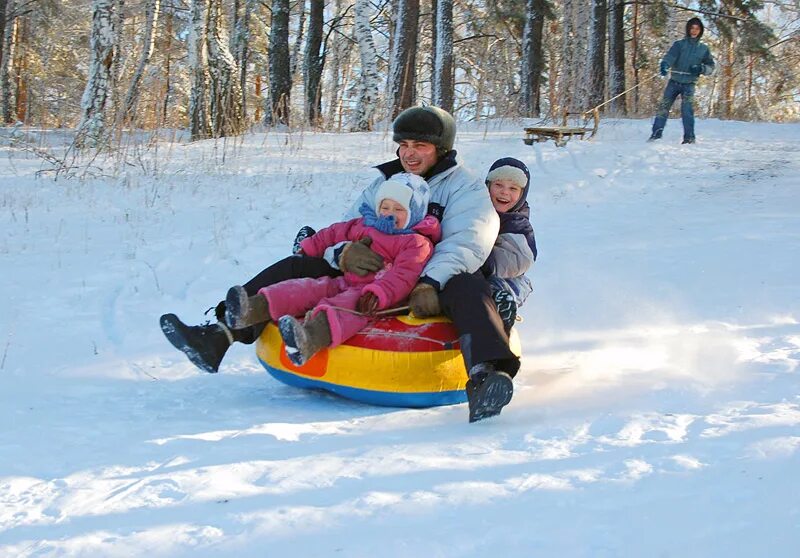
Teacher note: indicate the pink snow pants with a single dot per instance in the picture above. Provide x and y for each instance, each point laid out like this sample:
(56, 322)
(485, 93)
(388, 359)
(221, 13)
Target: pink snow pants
(297, 296)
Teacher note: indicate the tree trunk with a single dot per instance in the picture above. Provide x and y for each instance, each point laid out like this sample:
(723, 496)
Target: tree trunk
(616, 57)
(567, 81)
(363, 118)
(225, 95)
(280, 82)
(635, 57)
(443, 56)
(6, 65)
(294, 57)
(312, 71)
(199, 124)
(726, 89)
(20, 65)
(148, 42)
(240, 42)
(167, 67)
(92, 128)
(597, 55)
(402, 66)
(532, 58)
(334, 68)
(3, 6)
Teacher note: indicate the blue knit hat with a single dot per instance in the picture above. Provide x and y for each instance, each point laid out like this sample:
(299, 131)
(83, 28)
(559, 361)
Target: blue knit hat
(410, 191)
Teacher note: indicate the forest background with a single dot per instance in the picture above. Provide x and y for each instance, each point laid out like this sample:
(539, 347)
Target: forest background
(219, 67)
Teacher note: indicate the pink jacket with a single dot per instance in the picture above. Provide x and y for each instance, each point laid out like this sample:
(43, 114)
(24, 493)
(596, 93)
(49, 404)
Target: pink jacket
(404, 256)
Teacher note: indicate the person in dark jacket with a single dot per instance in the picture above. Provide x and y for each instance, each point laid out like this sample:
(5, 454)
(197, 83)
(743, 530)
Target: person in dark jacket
(451, 282)
(685, 61)
(514, 250)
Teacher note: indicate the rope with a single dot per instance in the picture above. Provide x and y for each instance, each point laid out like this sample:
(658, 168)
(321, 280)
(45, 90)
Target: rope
(392, 312)
(628, 89)
(445, 344)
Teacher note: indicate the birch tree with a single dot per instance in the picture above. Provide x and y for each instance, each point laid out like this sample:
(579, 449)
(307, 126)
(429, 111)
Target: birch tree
(199, 124)
(280, 82)
(225, 93)
(240, 45)
(313, 63)
(402, 65)
(363, 118)
(148, 38)
(92, 128)
(442, 87)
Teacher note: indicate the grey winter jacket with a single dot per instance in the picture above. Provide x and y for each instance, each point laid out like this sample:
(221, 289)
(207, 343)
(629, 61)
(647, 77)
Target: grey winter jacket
(469, 221)
(686, 53)
(511, 258)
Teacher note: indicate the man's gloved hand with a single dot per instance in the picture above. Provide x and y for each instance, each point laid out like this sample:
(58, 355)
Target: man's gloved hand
(424, 301)
(663, 68)
(359, 259)
(696, 70)
(367, 304)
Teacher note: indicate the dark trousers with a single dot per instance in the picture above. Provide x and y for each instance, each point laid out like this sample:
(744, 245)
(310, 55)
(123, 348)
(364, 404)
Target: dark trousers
(293, 267)
(467, 301)
(671, 92)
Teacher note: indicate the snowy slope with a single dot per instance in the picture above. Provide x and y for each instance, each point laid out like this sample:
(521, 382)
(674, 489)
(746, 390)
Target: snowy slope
(657, 412)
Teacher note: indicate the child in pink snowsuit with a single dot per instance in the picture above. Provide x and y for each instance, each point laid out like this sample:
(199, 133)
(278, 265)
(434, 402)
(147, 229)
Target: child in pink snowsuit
(396, 227)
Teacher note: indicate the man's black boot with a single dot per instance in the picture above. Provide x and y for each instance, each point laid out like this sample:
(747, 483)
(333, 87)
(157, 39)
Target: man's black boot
(655, 135)
(687, 140)
(488, 391)
(204, 345)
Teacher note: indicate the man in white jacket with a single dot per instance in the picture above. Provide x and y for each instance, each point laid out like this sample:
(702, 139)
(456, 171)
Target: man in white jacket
(451, 283)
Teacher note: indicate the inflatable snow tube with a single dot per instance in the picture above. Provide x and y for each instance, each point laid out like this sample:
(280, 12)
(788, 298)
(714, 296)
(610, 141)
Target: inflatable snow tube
(397, 362)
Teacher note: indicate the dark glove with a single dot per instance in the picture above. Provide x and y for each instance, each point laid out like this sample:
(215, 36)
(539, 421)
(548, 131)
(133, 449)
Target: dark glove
(696, 70)
(424, 301)
(663, 68)
(359, 259)
(367, 304)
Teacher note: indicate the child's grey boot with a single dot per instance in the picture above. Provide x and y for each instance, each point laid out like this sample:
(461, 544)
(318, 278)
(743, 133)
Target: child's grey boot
(304, 340)
(243, 311)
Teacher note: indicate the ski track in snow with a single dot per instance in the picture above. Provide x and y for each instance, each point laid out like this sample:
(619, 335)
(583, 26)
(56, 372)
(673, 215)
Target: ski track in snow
(653, 393)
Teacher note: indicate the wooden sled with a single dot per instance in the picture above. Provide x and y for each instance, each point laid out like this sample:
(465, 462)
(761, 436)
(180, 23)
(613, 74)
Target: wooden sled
(562, 134)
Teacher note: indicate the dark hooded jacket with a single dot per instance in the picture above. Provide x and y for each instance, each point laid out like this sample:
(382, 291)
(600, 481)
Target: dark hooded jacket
(689, 52)
(514, 250)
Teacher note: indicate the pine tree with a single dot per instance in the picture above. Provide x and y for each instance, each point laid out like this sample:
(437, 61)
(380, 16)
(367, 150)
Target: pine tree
(616, 56)
(313, 63)
(280, 82)
(443, 56)
(401, 91)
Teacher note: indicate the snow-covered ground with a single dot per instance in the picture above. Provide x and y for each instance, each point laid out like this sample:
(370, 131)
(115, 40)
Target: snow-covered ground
(657, 412)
